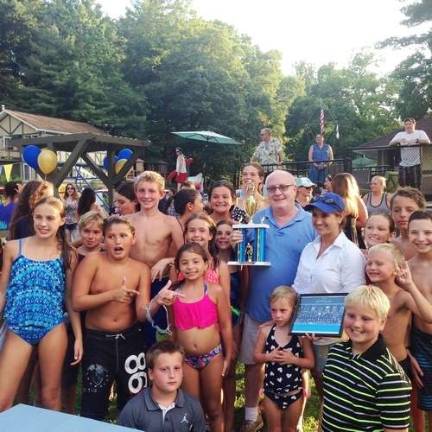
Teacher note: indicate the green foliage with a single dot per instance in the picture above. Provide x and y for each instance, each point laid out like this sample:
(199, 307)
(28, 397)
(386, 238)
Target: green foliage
(414, 74)
(201, 75)
(353, 98)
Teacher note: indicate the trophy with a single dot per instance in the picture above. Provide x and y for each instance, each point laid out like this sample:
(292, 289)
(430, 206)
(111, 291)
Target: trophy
(249, 253)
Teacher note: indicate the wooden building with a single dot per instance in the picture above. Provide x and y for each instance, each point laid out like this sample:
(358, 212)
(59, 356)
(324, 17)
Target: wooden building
(17, 124)
(388, 157)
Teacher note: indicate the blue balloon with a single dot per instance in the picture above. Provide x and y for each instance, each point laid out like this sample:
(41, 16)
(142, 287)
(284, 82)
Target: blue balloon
(105, 162)
(30, 155)
(124, 154)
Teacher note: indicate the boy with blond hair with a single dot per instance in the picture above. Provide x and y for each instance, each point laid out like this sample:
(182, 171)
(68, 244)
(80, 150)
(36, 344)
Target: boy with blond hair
(155, 233)
(365, 389)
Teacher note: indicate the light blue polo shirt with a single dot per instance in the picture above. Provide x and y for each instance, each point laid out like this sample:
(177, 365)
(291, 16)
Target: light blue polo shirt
(284, 246)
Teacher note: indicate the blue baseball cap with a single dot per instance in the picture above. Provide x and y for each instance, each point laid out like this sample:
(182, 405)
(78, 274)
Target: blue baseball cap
(329, 202)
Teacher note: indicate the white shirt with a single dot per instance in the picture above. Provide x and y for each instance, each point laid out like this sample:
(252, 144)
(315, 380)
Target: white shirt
(181, 164)
(339, 269)
(410, 156)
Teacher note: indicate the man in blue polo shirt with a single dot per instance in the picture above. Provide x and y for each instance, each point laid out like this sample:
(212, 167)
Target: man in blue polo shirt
(290, 231)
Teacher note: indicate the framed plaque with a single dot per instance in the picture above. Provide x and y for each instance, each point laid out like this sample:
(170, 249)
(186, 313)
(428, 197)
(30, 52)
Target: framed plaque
(319, 314)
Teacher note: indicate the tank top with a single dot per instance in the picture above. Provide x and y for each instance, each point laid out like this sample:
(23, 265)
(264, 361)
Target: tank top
(199, 314)
(35, 294)
(382, 207)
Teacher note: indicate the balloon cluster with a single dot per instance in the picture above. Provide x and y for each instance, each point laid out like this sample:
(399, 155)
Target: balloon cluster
(44, 159)
(119, 159)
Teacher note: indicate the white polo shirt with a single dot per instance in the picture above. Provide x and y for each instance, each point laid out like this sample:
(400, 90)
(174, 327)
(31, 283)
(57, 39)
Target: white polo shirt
(339, 269)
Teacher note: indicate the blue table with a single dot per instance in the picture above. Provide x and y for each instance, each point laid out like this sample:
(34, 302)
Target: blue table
(25, 418)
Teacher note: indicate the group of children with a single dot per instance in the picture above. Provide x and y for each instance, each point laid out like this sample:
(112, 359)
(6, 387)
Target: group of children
(116, 280)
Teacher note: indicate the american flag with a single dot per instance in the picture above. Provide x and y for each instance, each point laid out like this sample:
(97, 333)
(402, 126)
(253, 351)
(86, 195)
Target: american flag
(322, 122)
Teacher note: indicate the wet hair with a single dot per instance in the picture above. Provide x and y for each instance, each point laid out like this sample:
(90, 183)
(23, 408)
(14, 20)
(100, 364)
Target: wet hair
(117, 220)
(75, 194)
(89, 217)
(411, 193)
(151, 177)
(182, 198)
(345, 185)
(66, 249)
(212, 228)
(223, 183)
(32, 192)
(409, 119)
(420, 215)
(192, 248)
(394, 250)
(388, 218)
(369, 297)
(284, 292)
(127, 189)
(11, 189)
(87, 199)
(163, 347)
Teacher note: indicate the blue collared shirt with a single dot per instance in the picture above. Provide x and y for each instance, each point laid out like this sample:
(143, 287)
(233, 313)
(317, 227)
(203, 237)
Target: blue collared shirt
(284, 245)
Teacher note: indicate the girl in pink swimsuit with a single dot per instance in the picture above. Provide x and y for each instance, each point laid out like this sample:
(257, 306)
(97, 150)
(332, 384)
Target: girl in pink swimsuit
(201, 229)
(202, 323)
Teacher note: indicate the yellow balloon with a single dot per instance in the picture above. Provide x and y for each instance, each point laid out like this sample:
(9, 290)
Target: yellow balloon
(47, 161)
(119, 165)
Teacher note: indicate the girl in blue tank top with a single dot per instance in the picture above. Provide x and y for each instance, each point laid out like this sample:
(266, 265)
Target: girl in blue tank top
(33, 298)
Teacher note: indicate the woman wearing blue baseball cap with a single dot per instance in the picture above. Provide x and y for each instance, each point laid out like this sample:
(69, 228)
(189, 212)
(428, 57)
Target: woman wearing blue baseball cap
(329, 264)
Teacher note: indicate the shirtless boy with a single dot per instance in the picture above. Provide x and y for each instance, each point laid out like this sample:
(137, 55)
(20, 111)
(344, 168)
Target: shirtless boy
(386, 268)
(403, 203)
(156, 231)
(420, 235)
(90, 228)
(114, 290)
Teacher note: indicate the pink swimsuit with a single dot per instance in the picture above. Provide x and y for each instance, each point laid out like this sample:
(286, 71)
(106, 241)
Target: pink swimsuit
(200, 314)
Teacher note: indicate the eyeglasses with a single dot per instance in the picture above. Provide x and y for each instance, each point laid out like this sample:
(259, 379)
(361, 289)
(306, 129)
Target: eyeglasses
(281, 187)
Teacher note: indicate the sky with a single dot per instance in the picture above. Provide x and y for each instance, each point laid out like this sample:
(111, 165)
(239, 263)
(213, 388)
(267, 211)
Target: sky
(314, 31)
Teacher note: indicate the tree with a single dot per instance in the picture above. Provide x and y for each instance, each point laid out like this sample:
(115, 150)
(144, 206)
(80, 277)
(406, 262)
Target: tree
(73, 69)
(18, 24)
(353, 98)
(414, 74)
(198, 74)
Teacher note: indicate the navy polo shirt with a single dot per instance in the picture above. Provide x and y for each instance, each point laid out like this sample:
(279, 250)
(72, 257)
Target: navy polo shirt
(143, 413)
(284, 245)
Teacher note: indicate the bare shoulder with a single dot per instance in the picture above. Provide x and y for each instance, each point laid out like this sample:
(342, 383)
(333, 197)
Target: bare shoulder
(138, 265)
(93, 259)
(132, 217)
(214, 289)
(11, 248)
(264, 329)
(401, 299)
(171, 220)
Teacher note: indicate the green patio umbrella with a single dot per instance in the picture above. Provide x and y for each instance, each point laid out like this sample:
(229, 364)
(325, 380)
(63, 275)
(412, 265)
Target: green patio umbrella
(363, 162)
(206, 137)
